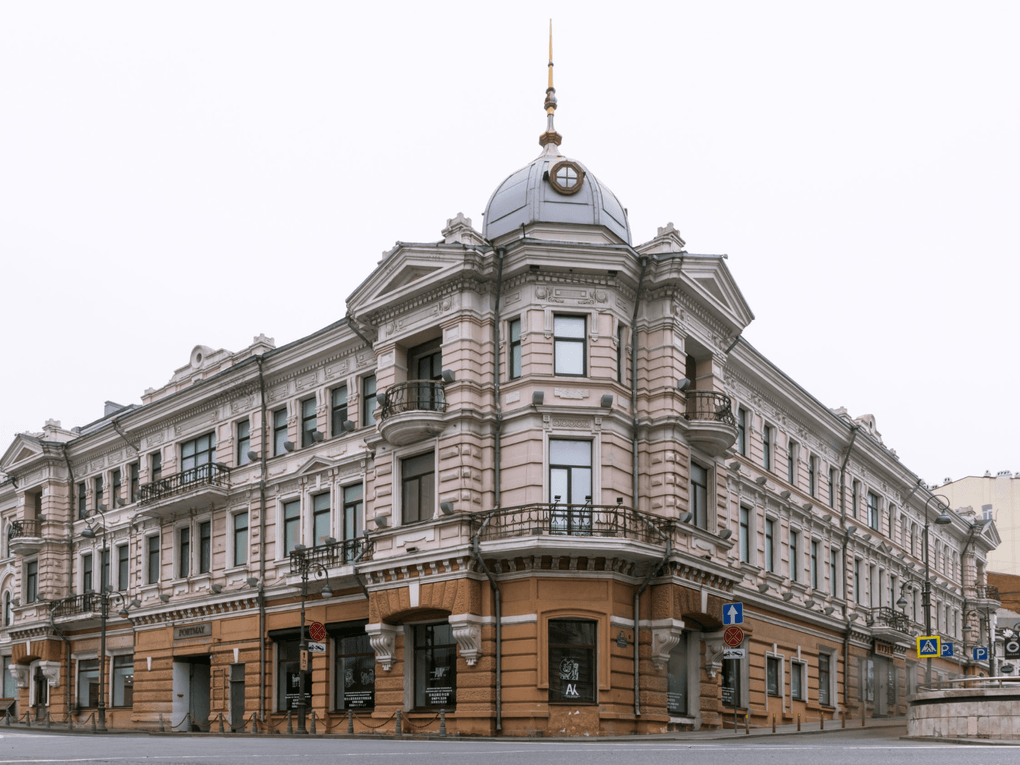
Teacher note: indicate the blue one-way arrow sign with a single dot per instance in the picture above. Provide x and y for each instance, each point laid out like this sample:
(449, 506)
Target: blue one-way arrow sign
(733, 613)
(947, 649)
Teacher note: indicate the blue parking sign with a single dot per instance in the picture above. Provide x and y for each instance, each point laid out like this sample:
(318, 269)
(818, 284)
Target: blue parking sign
(947, 649)
(980, 653)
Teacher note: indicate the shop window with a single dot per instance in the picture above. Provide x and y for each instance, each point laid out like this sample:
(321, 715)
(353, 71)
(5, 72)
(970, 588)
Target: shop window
(824, 679)
(355, 669)
(773, 672)
(88, 683)
(676, 694)
(123, 680)
(572, 656)
(732, 684)
(866, 680)
(288, 674)
(435, 666)
(418, 487)
(10, 687)
(569, 345)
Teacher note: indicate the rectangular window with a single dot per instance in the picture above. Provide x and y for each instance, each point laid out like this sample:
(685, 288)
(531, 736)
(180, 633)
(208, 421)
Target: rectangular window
(572, 656)
(676, 693)
(354, 512)
(240, 538)
(152, 558)
(766, 447)
(368, 401)
(104, 576)
(184, 550)
(435, 666)
(31, 581)
(418, 487)
(794, 555)
(833, 567)
(621, 356)
(855, 498)
(514, 360)
(355, 670)
(814, 564)
(243, 442)
(279, 431)
(123, 571)
(116, 486)
(745, 535)
(10, 686)
(322, 519)
(699, 495)
(858, 584)
(770, 538)
(741, 431)
(772, 675)
(86, 573)
(133, 487)
(569, 345)
(197, 456)
(791, 463)
(338, 410)
(797, 684)
(873, 510)
(570, 482)
(205, 547)
(291, 526)
(824, 674)
(83, 509)
(308, 422)
(833, 483)
(288, 677)
(97, 492)
(813, 476)
(88, 683)
(123, 680)
(156, 466)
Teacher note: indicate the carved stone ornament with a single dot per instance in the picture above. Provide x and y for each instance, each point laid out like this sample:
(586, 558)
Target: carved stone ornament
(383, 638)
(713, 653)
(467, 631)
(20, 673)
(666, 633)
(51, 671)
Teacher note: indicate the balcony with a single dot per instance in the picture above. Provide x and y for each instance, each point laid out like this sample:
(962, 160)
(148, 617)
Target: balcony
(889, 625)
(574, 529)
(328, 556)
(77, 606)
(987, 592)
(197, 488)
(26, 536)
(713, 428)
(412, 411)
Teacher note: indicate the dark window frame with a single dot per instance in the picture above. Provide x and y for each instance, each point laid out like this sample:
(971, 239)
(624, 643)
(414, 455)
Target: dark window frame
(239, 538)
(184, 552)
(309, 421)
(351, 644)
(123, 567)
(338, 410)
(773, 671)
(567, 661)
(744, 534)
(153, 555)
(418, 488)
(700, 482)
(134, 470)
(436, 661)
(243, 437)
(766, 447)
(770, 545)
(354, 511)
(279, 431)
(204, 547)
(369, 396)
(87, 573)
(122, 693)
(322, 508)
(515, 359)
(31, 581)
(290, 516)
(741, 444)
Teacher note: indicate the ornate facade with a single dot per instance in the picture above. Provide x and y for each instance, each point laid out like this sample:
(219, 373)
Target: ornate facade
(518, 483)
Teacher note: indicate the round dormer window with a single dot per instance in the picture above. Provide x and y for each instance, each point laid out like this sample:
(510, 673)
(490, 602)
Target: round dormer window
(566, 177)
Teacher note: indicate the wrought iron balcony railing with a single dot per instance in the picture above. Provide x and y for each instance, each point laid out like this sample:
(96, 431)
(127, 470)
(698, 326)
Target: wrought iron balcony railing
(889, 618)
(574, 520)
(414, 396)
(76, 605)
(987, 592)
(709, 405)
(213, 474)
(27, 527)
(340, 553)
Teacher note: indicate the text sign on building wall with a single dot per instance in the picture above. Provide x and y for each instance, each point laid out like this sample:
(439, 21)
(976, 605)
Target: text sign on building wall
(193, 631)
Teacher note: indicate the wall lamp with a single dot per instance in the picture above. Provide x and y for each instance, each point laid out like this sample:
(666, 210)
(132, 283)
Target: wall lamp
(381, 398)
(828, 610)
(761, 480)
(217, 589)
(380, 521)
(725, 533)
(787, 597)
(735, 466)
(446, 508)
(607, 401)
(349, 426)
(683, 384)
(288, 445)
(164, 597)
(537, 397)
(686, 517)
(252, 581)
(785, 494)
(317, 435)
(253, 456)
(763, 587)
(448, 376)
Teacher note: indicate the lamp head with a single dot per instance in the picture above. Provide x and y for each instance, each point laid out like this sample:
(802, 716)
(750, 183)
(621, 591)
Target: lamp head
(164, 597)
(88, 533)
(326, 592)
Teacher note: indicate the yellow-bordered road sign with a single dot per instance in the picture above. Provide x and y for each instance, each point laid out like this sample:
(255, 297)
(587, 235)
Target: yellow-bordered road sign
(929, 646)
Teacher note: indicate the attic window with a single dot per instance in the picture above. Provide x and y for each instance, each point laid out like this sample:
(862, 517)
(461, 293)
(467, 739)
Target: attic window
(566, 177)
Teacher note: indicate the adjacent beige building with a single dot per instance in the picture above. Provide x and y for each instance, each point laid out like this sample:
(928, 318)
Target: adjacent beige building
(996, 497)
(521, 483)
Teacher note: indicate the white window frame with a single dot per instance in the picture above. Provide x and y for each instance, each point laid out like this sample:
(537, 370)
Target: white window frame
(596, 461)
(833, 655)
(781, 676)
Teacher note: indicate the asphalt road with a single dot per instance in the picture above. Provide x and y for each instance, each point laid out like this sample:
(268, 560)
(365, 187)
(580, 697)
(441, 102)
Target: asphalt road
(863, 747)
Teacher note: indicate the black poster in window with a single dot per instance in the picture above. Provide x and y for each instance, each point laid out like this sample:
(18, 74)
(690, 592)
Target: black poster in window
(731, 683)
(293, 690)
(358, 675)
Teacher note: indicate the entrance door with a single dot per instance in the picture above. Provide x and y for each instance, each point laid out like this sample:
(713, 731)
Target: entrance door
(236, 696)
(41, 694)
(885, 690)
(191, 676)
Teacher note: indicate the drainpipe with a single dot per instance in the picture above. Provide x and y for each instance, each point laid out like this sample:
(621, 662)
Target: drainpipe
(497, 608)
(633, 390)
(352, 322)
(70, 519)
(262, 545)
(854, 429)
(637, 616)
(354, 565)
(497, 447)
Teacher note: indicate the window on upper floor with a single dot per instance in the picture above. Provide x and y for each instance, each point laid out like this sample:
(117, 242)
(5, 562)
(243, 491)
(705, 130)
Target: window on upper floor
(418, 487)
(699, 495)
(742, 431)
(858, 582)
(104, 570)
(243, 428)
(570, 353)
(239, 542)
(855, 498)
(833, 484)
(354, 511)
(309, 422)
(570, 471)
(813, 476)
(794, 555)
(152, 559)
(621, 355)
(766, 446)
(833, 571)
(873, 511)
(86, 573)
(514, 358)
(97, 492)
(279, 431)
(31, 581)
(184, 552)
(338, 410)
(156, 466)
(8, 615)
(322, 518)
(291, 536)
(815, 549)
(770, 545)
(83, 509)
(197, 456)
(791, 462)
(123, 573)
(745, 534)
(368, 400)
(115, 488)
(204, 547)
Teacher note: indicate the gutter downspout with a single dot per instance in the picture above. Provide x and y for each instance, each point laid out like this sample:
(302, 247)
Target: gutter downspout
(498, 609)
(635, 481)
(497, 447)
(637, 624)
(354, 566)
(70, 519)
(352, 322)
(116, 426)
(262, 546)
(854, 429)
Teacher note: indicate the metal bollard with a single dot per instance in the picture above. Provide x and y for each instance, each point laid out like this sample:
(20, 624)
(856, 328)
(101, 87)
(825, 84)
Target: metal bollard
(313, 722)
(220, 715)
(397, 731)
(863, 716)
(442, 722)
(49, 721)
(798, 723)
(350, 722)
(93, 718)
(773, 723)
(290, 722)
(747, 725)
(822, 721)
(162, 728)
(843, 720)
(254, 724)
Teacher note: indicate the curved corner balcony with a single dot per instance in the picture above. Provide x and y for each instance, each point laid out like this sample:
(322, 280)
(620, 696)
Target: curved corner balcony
(26, 536)
(197, 488)
(889, 625)
(713, 428)
(412, 411)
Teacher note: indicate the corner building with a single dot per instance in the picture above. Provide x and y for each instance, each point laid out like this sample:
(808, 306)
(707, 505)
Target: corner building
(518, 482)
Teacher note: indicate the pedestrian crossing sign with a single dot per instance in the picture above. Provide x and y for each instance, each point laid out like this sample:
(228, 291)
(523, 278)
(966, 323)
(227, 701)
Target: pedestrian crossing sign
(929, 647)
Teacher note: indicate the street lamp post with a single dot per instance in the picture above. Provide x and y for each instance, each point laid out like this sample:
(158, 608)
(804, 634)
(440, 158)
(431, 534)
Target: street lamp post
(307, 567)
(942, 519)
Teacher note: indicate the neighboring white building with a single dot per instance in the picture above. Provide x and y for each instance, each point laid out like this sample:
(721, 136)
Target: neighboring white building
(996, 497)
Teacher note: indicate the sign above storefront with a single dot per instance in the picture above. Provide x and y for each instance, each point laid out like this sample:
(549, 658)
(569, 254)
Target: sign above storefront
(193, 631)
(883, 649)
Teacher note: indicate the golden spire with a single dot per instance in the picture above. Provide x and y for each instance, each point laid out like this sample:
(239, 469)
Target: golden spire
(550, 135)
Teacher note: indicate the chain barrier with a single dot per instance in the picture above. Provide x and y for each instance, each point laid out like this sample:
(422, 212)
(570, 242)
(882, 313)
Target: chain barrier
(372, 727)
(423, 726)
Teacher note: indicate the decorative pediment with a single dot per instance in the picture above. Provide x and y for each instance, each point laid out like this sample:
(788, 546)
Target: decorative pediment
(315, 465)
(22, 449)
(709, 280)
(405, 276)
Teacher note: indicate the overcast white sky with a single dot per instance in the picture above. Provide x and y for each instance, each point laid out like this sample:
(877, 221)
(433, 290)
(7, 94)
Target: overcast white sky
(174, 174)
